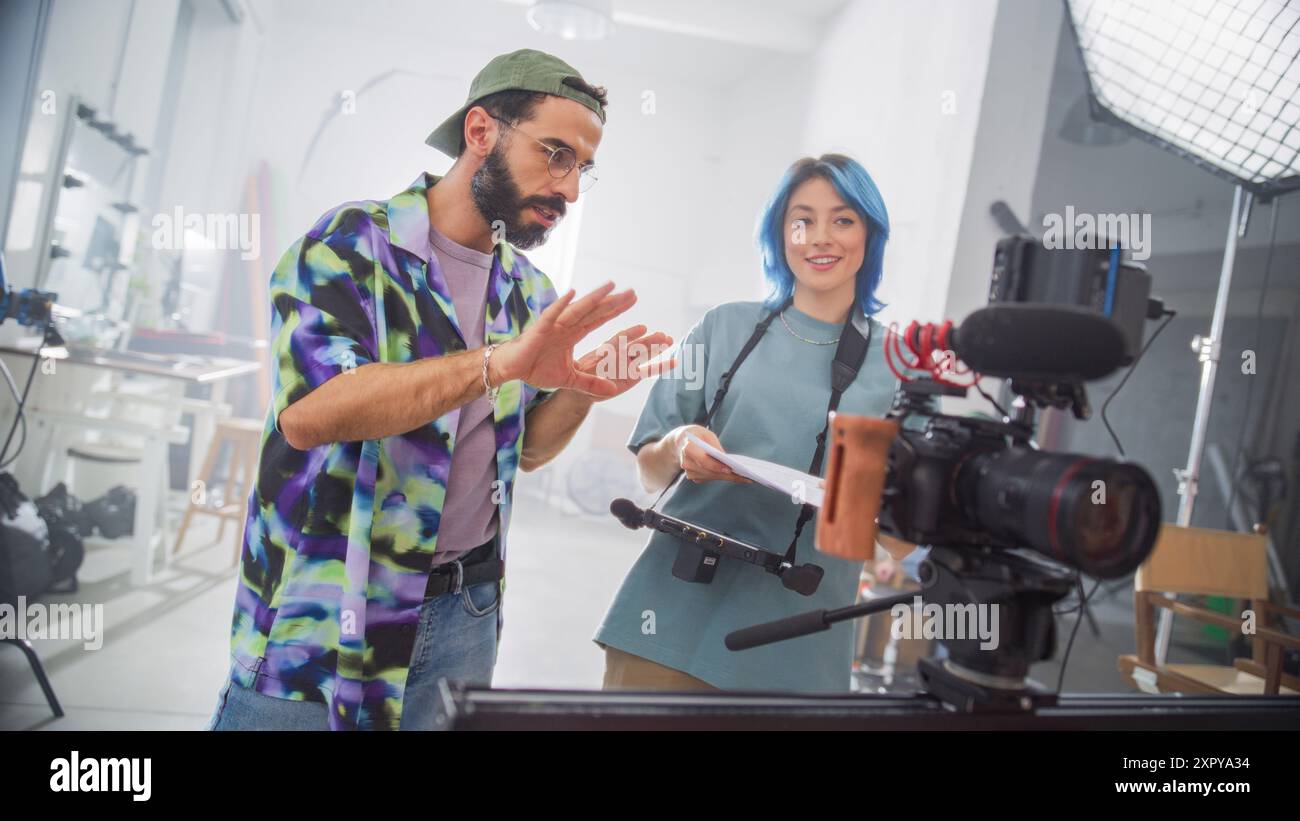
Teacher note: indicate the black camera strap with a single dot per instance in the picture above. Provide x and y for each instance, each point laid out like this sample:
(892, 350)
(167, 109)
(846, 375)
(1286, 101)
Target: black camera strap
(724, 384)
(850, 353)
(849, 356)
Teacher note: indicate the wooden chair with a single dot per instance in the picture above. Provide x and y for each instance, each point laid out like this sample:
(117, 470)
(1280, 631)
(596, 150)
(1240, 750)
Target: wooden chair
(1200, 562)
(245, 439)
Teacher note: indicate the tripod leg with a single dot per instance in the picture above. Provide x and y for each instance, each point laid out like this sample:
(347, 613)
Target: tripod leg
(39, 669)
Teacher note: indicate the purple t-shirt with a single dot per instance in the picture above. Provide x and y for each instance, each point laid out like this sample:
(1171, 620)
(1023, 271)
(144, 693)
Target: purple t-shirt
(469, 518)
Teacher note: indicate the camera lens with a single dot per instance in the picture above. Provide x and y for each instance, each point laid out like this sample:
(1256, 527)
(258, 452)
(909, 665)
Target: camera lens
(1098, 515)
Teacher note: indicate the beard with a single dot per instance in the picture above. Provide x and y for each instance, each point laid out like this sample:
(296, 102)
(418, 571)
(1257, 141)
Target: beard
(497, 198)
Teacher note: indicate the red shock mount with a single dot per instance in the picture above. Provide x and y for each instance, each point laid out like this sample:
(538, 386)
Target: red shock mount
(929, 349)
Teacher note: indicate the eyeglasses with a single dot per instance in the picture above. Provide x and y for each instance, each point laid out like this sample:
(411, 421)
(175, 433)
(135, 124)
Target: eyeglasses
(563, 160)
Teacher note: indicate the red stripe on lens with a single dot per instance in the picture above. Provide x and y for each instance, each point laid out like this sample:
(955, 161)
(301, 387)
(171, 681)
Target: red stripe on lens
(1056, 504)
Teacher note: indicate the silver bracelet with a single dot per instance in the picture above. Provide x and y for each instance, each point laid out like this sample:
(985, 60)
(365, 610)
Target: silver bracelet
(487, 386)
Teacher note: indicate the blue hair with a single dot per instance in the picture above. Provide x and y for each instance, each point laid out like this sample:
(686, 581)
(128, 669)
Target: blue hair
(859, 192)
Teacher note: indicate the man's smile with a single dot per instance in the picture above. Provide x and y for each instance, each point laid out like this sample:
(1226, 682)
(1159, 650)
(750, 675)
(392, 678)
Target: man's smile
(546, 216)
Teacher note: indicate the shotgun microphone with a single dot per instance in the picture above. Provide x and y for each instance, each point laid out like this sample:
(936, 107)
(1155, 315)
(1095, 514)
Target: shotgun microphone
(1033, 342)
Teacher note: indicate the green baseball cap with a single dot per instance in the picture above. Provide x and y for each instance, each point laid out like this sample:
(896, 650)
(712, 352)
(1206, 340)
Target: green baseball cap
(522, 70)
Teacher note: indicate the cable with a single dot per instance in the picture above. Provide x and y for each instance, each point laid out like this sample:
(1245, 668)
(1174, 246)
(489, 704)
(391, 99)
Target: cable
(1169, 316)
(13, 389)
(19, 416)
(9, 378)
(22, 442)
(1075, 607)
(1083, 600)
(991, 400)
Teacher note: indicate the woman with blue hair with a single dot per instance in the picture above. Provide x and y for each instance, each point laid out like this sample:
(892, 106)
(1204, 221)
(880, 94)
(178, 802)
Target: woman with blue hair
(821, 239)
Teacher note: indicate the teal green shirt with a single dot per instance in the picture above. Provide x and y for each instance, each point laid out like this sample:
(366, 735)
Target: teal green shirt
(774, 410)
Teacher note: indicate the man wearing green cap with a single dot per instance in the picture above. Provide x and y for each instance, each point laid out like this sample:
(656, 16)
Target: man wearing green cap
(420, 360)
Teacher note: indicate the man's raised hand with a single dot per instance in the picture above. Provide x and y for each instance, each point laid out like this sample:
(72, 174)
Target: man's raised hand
(543, 357)
(627, 357)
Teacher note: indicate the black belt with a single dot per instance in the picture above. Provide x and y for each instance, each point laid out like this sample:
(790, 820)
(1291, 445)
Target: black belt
(482, 564)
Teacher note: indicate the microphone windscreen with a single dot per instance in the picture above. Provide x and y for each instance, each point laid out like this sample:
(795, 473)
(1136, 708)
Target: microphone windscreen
(1035, 341)
(626, 511)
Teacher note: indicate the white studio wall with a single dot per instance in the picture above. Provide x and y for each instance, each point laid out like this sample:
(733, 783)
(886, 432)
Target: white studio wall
(691, 149)
(899, 86)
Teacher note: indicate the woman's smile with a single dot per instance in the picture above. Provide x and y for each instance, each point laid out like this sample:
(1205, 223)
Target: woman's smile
(823, 262)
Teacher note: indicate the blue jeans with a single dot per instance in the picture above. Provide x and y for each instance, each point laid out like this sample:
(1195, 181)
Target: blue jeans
(457, 639)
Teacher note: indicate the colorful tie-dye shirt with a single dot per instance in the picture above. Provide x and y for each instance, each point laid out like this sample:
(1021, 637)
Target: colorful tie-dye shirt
(340, 538)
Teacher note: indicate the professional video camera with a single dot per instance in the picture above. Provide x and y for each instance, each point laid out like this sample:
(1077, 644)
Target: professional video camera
(1008, 524)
